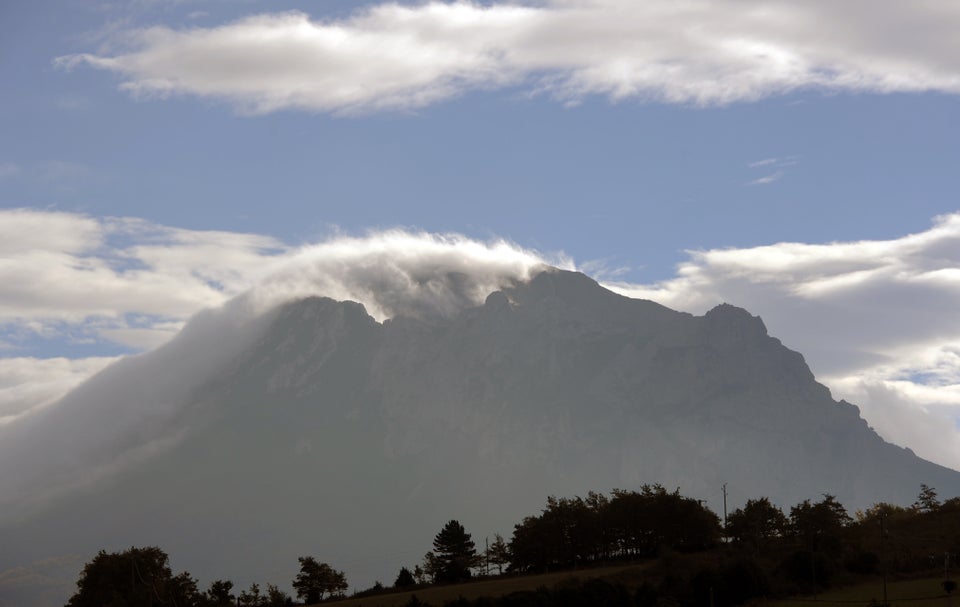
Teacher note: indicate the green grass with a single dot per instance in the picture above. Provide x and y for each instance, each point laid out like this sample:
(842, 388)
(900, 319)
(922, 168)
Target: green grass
(908, 593)
(438, 595)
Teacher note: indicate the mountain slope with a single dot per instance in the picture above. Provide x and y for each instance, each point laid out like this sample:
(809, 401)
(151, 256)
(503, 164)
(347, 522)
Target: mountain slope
(327, 433)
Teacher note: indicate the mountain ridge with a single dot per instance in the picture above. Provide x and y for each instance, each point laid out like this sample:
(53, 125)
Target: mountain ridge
(330, 432)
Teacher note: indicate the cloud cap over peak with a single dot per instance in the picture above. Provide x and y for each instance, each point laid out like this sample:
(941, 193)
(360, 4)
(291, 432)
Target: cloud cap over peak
(394, 57)
(398, 272)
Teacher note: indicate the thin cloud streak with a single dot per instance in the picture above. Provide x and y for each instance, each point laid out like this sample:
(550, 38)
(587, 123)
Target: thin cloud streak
(399, 57)
(767, 179)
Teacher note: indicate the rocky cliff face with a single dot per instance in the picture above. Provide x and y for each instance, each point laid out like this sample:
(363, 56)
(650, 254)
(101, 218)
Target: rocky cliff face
(333, 435)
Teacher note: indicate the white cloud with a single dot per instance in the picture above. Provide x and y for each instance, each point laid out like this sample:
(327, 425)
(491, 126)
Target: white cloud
(876, 320)
(399, 272)
(64, 273)
(767, 178)
(130, 410)
(394, 56)
(780, 164)
(31, 383)
(127, 281)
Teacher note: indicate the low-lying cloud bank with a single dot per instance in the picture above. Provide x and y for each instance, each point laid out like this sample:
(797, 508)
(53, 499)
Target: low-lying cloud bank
(393, 56)
(875, 319)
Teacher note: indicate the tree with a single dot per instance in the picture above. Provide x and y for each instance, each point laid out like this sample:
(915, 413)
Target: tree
(134, 577)
(252, 597)
(455, 552)
(927, 500)
(819, 525)
(498, 553)
(419, 575)
(756, 523)
(276, 597)
(432, 568)
(219, 593)
(317, 579)
(404, 579)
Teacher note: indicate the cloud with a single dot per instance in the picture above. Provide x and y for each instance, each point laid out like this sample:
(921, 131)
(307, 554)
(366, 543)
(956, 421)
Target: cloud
(31, 383)
(394, 57)
(780, 164)
(132, 282)
(71, 274)
(398, 272)
(129, 410)
(876, 321)
(767, 178)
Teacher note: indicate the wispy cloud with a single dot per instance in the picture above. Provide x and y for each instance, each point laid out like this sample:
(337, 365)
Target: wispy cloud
(393, 56)
(767, 178)
(780, 164)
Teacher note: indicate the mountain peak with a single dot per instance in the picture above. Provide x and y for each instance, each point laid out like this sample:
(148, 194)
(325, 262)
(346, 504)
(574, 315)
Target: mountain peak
(731, 318)
(553, 386)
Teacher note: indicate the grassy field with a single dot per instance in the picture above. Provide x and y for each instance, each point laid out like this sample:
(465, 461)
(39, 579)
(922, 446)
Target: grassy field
(909, 593)
(438, 595)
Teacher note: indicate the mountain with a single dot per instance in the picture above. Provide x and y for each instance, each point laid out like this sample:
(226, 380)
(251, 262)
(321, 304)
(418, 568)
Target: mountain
(317, 430)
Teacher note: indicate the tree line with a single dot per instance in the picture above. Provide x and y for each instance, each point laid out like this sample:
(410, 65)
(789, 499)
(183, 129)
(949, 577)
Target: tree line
(762, 550)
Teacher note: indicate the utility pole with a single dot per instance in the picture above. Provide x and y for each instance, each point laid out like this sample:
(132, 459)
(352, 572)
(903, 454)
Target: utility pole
(725, 538)
(486, 557)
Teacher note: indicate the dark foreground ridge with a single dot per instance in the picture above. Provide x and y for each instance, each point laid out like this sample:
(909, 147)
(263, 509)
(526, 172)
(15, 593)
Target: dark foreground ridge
(631, 548)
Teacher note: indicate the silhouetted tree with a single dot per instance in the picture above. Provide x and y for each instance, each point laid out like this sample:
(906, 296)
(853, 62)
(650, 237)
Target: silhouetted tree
(317, 579)
(219, 593)
(404, 579)
(251, 597)
(134, 577)
(432, 568)
(498, 553)
(819, 525)
(276, 597)
(927, 500)
(419, 574)
(756, 523)
(880, 510)
(530, 545)
(641, 523)
(455, 552)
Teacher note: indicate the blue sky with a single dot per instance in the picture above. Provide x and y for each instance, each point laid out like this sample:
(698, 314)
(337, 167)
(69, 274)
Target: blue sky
(157, 156)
